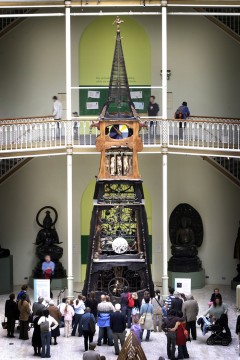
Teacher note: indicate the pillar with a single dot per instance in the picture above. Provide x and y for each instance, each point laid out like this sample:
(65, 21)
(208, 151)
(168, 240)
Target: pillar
(164, 152)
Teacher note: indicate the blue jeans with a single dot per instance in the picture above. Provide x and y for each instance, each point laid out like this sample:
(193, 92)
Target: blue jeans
(109, 335)
(127, 312)
(46, 339)
(77, 320)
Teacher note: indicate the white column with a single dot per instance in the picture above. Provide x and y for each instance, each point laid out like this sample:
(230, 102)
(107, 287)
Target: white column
(164, 151)
(69, 152)
(70, 277)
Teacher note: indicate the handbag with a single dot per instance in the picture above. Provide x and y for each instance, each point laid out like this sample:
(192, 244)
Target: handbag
(135, 311)
(143, 317)
(4, 324)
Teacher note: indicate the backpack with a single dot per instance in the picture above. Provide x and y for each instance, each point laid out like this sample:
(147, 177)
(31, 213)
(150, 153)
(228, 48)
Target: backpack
(130, 301)
(179, 114)
(44, 326)
(91, 326)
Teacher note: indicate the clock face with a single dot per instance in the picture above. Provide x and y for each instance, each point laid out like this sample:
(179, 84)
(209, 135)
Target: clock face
(119, 132)
(120, 245)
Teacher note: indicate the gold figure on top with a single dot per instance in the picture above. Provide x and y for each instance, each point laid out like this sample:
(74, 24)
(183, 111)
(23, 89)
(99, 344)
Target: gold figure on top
(118, 21)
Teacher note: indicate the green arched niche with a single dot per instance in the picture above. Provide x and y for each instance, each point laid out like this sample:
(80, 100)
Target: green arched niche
(85, 218)
(97, 47)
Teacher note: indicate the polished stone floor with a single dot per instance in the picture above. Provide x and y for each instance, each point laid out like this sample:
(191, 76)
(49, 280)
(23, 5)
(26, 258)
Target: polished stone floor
(72, 348)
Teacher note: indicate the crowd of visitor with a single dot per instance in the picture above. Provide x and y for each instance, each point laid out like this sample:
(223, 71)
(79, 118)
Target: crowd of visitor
(176, 316)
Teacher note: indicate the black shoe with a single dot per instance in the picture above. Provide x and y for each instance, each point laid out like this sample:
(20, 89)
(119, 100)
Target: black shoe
(116, 353)
(99, 344)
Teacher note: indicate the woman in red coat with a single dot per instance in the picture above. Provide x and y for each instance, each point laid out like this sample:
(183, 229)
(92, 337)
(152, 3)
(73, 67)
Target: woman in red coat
(181, 340)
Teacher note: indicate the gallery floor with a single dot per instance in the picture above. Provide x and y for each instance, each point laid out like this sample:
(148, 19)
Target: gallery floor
(72, 348)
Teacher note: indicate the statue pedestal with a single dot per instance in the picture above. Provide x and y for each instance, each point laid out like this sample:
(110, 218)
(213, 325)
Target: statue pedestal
(197, 278)
(56, 284)
(6, 268)
(234, 284)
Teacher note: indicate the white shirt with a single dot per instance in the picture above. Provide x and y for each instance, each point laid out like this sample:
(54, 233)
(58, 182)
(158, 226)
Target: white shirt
(51, 321)
(57, 110)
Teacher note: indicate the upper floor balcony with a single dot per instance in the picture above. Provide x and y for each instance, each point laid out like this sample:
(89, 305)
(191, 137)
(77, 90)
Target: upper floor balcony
(197, 135)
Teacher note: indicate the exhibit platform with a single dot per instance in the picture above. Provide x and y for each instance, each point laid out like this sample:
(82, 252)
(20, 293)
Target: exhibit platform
(197, 278)
(6, 268)
(56, 284)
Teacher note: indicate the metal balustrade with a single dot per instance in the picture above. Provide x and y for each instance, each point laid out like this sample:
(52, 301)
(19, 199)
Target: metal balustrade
(196, 133)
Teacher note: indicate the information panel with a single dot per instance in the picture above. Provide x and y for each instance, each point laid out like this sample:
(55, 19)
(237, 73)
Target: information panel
(41, 288)
(183, 285)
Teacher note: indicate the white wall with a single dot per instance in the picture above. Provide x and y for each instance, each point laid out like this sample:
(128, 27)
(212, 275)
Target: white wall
(190, 179)
(203, 59)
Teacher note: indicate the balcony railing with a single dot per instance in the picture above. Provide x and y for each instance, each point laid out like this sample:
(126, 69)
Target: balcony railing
(196, 133)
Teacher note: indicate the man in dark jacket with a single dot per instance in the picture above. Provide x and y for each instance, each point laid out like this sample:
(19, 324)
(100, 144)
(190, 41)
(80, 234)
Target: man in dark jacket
(118, 326)
(86, 328)
(168, 324)
(11, 313)
(177, 303)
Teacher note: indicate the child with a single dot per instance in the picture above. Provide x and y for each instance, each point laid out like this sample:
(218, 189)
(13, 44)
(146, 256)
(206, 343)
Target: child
(136, 329)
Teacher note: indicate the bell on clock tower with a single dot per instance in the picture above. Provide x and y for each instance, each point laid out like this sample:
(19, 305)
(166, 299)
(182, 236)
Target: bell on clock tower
(118, 253)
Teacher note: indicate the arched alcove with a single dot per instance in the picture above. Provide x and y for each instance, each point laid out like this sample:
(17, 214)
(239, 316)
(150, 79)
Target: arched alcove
(96, 50)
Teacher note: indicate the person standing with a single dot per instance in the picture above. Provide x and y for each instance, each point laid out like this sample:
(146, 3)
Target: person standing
(125, 309)
(147, 311)
(55, 313)
(11, 313)
(24, 289)
(57, 108)
(153, 109)
(182, 111)
(61, 308)
(181, 340)
(36, 337)
(38, 306)
(79, 308)
(118, 327)
(104, 310)
(168, 324)
(157, 303)
(86, 328)
(176, 304)
(169, 298)
(190, 311)
(24, 312)
(92, 303)
(46, 323)
(68, 314)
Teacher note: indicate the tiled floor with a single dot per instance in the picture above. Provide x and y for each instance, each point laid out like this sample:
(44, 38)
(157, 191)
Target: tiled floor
(72, 348)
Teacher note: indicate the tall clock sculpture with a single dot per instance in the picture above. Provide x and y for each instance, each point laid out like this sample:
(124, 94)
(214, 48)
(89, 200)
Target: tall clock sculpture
(118, 253)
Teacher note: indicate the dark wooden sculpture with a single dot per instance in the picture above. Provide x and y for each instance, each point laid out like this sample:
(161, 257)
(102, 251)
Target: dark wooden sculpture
(47, 242)
(118, 241)
(186, 235)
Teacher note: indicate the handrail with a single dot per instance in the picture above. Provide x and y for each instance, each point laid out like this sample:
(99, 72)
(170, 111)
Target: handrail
(50, 119)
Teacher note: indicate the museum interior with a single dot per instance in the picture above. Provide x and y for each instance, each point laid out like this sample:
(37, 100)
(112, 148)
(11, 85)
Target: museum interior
(116, 196)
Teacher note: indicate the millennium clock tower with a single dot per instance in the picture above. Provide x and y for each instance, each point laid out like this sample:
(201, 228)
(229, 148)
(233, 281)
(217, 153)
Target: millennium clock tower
(118, 253)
